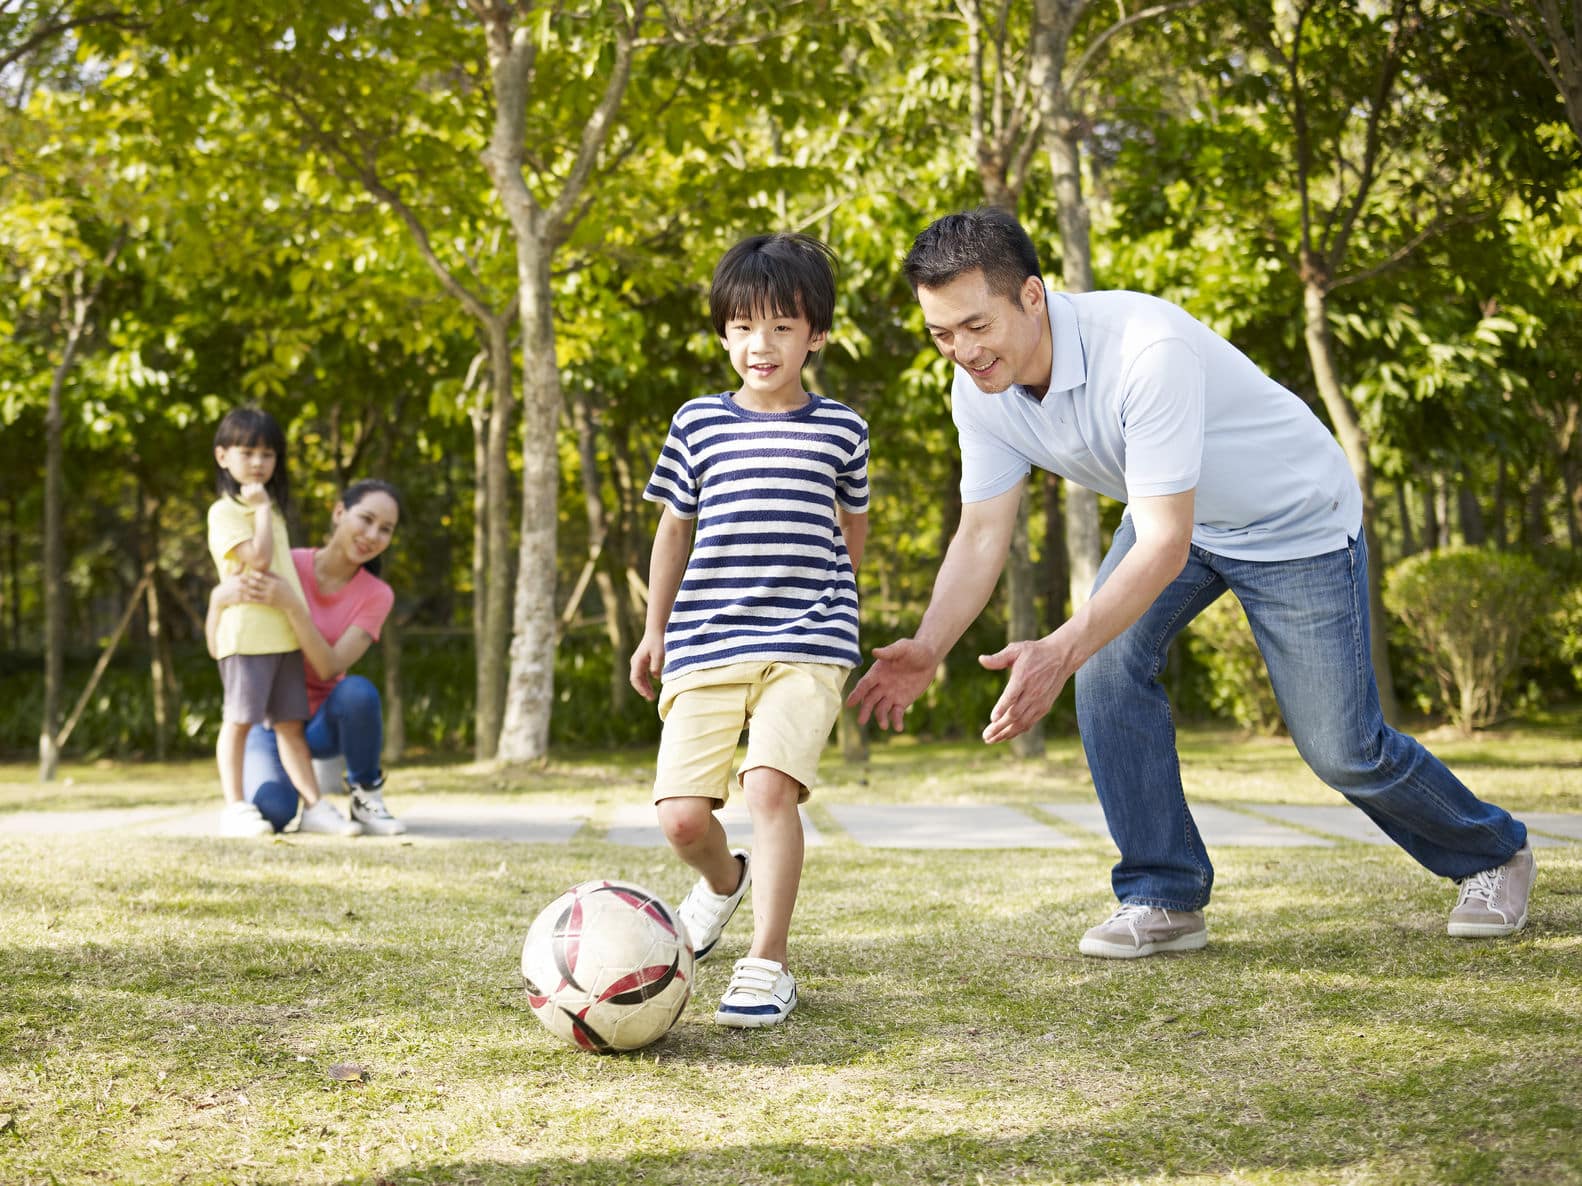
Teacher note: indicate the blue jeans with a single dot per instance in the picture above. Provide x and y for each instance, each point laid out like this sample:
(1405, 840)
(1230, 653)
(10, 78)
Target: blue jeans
(350, 723)
(1310, 620)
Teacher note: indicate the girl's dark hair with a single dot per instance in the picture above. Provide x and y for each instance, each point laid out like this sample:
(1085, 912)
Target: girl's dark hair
(782, 275)
(253, 427)
(360, 490)
(986, 240)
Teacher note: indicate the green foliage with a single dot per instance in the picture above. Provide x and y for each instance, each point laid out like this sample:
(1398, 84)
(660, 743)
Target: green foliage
(1567, 631)
(1233, 672)
(1470, 613)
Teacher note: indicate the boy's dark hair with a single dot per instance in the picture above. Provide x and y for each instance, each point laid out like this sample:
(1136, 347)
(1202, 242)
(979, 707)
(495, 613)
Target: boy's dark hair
(253, 427)
(360, 490)
(781, 275)
(986, 240)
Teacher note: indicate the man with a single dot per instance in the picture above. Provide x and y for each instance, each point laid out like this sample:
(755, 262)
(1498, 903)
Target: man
(1230, 483)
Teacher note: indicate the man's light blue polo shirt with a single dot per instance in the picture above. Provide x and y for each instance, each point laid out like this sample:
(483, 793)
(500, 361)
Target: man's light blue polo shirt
(1144, 400)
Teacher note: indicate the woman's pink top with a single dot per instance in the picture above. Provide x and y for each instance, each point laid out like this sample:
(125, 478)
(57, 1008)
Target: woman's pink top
(364, 601)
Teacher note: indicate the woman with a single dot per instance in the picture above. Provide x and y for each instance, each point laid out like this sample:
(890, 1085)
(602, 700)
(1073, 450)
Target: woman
(343, 606)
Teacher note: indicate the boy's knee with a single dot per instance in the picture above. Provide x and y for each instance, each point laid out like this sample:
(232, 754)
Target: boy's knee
(768, 789)
(685, 820)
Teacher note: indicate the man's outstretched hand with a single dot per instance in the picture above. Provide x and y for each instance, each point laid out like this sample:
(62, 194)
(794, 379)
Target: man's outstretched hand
(1036, 680)
(901, 672)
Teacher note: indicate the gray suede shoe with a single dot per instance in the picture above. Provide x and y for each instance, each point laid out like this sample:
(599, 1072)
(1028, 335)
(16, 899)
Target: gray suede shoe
(1494, 902)
(1136, 930)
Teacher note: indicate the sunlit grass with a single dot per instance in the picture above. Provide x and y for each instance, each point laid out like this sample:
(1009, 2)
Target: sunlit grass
(172, 1006)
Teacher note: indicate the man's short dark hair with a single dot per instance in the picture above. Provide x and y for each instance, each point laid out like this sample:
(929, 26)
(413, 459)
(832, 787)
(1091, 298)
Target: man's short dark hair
(987, 240)
(781, 275)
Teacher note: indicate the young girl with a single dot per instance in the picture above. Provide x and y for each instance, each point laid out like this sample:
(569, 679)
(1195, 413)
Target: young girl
(260, 662)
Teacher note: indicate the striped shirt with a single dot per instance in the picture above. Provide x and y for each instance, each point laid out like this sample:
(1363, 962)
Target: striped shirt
(768, 577)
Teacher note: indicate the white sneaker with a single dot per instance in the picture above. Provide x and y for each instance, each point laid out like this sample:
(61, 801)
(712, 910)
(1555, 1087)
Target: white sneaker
(368, 809)
(323, 817)
(762, 992)
(705, 912)
(242, 820)
(1136, 930)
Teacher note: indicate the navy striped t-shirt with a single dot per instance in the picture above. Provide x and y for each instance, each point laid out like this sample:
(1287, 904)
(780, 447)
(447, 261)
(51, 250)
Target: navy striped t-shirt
(768, 577)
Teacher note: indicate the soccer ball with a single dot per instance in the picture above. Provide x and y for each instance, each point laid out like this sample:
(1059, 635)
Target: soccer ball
(608, 966)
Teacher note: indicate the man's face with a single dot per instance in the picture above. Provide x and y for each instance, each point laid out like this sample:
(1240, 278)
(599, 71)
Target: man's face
(985, 333)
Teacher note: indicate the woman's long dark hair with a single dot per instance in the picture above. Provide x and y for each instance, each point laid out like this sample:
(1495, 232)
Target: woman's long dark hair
(253, 427)
(360, 490)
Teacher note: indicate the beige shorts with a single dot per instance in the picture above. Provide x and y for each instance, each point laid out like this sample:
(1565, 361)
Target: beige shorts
(787, 708)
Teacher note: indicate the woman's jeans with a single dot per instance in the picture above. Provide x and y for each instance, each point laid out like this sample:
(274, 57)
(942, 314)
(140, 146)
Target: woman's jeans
(1310, 620)
(349, 723)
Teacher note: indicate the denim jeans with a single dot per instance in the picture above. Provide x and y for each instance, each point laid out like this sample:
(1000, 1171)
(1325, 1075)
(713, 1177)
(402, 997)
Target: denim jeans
(350, 723)
(1310, 620)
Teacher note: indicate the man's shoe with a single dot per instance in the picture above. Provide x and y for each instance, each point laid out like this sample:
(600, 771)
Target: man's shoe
(762, 992)
(1494, 902)
(241, 820)
(369, 810)
(322, 817)
(1136, 930)
(706, 912)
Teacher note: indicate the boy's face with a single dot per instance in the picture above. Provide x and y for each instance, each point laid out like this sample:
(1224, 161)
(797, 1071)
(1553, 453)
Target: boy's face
(768, 351)
(246, 463)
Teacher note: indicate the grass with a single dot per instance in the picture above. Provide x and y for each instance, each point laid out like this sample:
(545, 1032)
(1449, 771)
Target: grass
(172, 1007)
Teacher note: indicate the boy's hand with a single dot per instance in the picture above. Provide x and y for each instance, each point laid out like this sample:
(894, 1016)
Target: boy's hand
(254, 494)
(901, 672)
(647, 662)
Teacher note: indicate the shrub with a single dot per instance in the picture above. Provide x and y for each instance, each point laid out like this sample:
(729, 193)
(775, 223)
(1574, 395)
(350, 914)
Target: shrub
(1221, 641)
(1471, 613)
(1567, 631)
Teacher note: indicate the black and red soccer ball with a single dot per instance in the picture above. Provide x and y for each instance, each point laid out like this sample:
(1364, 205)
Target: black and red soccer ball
(608, 966)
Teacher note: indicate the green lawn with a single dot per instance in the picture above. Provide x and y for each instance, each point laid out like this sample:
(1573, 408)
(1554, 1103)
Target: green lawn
(172, 1007)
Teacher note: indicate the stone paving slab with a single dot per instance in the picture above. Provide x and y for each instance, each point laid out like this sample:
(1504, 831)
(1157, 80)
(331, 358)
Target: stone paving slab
(635, 825)
(1220, 827)
(920, 826)
(55, 823)
(913, 825)
(1335, 819)
(1560, 824)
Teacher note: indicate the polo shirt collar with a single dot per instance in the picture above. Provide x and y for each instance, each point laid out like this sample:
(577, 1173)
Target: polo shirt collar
(1070, 367)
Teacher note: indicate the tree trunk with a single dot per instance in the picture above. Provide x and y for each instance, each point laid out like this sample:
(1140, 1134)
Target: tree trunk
(530, 683)
(1021, 587)
(395, 707)
(79, 304)
(1403, 508)
(598, 538)
(1432, 531)
(54, 572)
(1056, 579)
(490, 659)
(162, 669)
(1348, 429)
(1470, 514)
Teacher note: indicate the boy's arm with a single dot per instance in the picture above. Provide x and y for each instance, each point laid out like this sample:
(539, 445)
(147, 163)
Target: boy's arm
(854, 530)
(672, 543)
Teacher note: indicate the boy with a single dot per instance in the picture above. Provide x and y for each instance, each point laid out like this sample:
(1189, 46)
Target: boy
(756, 622)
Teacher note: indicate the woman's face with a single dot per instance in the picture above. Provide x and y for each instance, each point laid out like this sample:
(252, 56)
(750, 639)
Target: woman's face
(365, 530)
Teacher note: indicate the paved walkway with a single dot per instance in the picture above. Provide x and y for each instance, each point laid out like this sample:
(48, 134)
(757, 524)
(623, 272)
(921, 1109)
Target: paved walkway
(1056, 824)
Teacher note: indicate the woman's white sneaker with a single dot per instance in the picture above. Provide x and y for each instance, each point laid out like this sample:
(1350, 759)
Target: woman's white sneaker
(1494, 902)
(368, 809)
(323, 818)
(762, 992)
